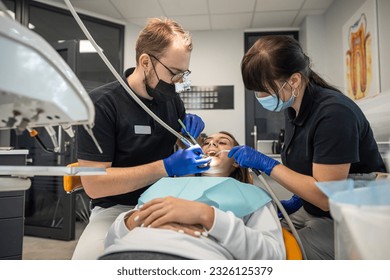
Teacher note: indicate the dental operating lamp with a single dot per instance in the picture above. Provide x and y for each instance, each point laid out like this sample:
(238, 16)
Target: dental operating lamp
(38, 89)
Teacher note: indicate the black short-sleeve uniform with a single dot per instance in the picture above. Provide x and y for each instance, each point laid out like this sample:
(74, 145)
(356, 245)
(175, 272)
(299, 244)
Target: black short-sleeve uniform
(329, 129)
(127, 134)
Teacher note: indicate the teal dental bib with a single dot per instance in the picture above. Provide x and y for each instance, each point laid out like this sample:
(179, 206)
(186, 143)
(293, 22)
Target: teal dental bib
(223, 193)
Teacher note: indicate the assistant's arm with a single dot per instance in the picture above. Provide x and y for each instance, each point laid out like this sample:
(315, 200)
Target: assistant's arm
(293, 181)
(300, 184)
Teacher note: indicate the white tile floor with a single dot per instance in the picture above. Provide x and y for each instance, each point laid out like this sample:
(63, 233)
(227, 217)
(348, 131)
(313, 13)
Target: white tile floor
(36, 248)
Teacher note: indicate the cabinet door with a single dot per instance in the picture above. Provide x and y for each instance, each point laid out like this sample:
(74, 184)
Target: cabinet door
(11, 225)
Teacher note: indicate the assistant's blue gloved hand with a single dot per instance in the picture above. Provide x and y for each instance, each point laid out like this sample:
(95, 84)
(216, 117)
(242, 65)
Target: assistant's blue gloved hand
(248, 157)
(194, 125)
(188, 161)
(291, 205)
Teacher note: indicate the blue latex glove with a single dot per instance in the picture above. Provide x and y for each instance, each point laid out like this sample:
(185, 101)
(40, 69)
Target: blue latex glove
(248, 157)
(194, 125)
(188, 161)
(291, 205)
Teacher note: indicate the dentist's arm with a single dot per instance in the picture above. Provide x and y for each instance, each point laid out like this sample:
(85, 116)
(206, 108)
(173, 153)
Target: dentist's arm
(120, 180)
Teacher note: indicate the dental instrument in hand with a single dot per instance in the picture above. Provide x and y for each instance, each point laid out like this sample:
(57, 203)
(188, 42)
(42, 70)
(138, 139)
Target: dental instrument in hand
(220, 152)
(215, 154)
(186, 131)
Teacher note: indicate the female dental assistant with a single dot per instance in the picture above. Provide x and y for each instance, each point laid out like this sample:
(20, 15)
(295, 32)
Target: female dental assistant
(327, 136)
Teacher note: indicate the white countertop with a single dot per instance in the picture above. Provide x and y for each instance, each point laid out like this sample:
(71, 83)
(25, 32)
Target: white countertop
(31, 171)
(10, 151)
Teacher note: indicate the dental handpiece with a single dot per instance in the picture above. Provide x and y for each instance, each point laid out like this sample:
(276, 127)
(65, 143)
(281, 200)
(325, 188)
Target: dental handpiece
(194, 142)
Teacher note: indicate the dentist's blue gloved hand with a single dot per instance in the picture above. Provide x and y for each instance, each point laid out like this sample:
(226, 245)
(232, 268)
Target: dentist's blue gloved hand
(194, 125)
(188, 161)
(291, 205)
(250, 158)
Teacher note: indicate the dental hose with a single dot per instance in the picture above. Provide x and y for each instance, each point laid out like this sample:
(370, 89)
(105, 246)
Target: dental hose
(119, 78)
(282, 210)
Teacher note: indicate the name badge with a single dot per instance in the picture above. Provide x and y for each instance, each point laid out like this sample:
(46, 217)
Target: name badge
(142, 129)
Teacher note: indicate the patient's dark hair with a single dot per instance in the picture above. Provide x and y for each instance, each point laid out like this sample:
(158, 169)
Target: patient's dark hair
(240, 173)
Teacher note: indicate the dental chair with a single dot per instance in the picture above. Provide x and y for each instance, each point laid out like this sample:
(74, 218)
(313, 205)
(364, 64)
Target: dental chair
(72, 184)
(293, 251)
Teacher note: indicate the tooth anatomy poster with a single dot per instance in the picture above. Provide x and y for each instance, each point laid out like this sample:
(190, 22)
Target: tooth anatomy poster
(360, 48)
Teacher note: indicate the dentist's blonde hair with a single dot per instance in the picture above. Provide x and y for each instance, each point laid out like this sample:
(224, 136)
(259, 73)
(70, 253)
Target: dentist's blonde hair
(158, 35)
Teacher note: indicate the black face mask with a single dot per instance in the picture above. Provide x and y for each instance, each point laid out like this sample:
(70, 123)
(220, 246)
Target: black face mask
(163, 91)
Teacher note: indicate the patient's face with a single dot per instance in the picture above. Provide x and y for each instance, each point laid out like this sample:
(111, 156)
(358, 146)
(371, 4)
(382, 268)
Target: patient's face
(220, 162)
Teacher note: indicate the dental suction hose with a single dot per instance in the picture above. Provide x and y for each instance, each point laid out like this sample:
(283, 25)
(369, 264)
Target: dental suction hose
(119, 78)
(282, 210)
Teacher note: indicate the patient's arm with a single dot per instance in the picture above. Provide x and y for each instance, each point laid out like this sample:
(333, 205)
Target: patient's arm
(195, 230)
(259, 237)
(161, 211)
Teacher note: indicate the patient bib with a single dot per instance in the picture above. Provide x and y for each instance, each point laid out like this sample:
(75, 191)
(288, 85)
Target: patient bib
(223, 193)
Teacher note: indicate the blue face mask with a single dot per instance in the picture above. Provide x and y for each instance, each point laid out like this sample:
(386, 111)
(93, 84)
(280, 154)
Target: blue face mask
(271, 103)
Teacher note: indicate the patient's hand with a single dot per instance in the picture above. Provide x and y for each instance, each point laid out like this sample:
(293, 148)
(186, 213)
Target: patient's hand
(193, 230)
(131, 221)
(162, 211)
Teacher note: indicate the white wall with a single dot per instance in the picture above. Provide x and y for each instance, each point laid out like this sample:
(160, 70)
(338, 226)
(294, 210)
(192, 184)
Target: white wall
(384, 42)
(311, 38)
(322, 39)
(131, 34)
(215, 60)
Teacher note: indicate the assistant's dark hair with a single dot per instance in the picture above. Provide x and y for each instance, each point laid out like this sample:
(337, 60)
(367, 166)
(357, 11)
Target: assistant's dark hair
(275, 58)
(239, 173)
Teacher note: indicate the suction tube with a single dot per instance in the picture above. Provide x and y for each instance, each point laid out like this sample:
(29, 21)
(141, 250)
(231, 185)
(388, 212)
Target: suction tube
(119, 78)
(281, 208)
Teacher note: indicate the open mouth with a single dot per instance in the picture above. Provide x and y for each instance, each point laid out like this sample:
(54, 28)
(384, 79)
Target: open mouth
(211, 153)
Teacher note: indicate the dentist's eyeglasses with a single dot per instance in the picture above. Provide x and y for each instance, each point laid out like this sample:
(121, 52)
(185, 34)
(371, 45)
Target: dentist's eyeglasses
(176, 77)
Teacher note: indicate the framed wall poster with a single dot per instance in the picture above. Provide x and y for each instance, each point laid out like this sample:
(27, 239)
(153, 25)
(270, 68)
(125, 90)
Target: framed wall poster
(360, 52)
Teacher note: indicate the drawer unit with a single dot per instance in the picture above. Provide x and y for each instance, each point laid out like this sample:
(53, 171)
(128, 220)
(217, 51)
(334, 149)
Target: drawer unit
(11, 245)
(11, 204)
(12, 211)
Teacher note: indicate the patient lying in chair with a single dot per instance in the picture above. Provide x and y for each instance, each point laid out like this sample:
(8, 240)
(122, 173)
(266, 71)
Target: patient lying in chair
(224, 217)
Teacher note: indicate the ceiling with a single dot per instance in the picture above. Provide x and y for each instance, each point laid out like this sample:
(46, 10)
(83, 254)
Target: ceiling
(207, 14)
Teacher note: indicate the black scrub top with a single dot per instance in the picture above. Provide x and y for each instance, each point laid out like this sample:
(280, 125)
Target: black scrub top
(127, 134)
(329, 129)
